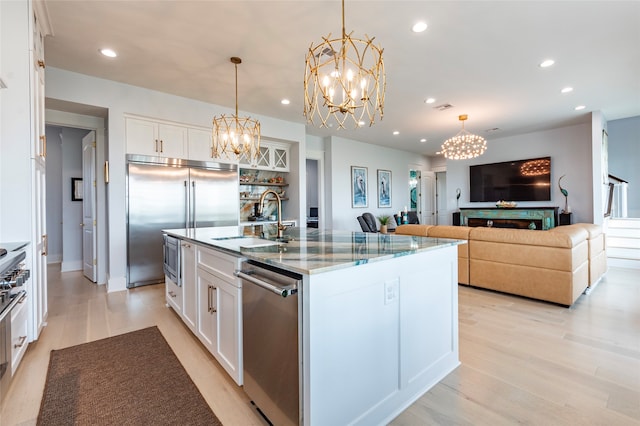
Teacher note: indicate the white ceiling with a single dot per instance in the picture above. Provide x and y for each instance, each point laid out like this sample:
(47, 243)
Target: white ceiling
(479, 56)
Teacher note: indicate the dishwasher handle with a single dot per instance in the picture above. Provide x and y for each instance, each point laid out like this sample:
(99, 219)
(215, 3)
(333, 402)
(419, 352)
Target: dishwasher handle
(280, 291)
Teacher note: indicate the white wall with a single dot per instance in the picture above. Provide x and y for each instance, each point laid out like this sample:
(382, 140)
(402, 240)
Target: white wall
(624, 157)
(570, 150)
(120, 99)
(344, 153)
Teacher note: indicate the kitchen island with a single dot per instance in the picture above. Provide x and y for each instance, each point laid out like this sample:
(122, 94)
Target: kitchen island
(377, 316)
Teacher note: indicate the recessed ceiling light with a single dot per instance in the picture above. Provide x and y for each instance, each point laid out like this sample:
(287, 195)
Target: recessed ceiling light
(109, 53)
(361, 123)
(423, 140)
(285, 102)
(567, 90)
(395, 132)
(419, 27)
(547, 63)
(429, 100)
(580, 107)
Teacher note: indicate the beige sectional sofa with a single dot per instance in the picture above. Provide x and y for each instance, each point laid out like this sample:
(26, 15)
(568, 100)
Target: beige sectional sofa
(555, 265)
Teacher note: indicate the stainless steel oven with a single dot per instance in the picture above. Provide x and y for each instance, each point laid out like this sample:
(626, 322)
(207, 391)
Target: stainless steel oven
(13, 275)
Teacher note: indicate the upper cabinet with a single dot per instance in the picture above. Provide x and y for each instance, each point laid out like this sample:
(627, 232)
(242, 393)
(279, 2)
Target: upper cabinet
(157, 139)
(201, 147)
(273, 156)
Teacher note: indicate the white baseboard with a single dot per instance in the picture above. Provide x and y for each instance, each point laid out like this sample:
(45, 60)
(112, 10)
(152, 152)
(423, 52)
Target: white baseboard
(623, 263)
(54, 258)
(74, 265)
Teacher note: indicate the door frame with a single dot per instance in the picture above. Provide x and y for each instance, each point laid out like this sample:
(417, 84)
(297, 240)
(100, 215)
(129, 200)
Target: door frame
(97, 124)
(319, 157)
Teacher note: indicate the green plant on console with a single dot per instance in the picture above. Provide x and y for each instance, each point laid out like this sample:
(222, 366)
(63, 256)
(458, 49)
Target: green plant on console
(384, 219)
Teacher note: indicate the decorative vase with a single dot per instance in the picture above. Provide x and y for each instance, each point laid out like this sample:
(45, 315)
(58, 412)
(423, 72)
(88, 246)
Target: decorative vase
(383, 229)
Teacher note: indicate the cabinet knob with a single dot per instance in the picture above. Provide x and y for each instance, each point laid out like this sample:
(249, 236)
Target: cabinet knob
(41, 63)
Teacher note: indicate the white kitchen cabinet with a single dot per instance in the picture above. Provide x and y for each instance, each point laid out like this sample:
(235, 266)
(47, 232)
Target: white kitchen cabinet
(189, 289)
(39, 248)
(200, 147)
(19, 334)
(273, 156)
(153, 138)
(219, 324)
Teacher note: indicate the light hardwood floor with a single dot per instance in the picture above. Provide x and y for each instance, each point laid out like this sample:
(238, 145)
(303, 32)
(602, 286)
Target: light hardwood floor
(523, 361)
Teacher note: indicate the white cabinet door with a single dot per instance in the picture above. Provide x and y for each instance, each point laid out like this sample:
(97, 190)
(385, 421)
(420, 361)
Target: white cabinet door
(172, 141)
(147, 137)
(141, 137)
(228, 346)
(219, 321)
(189, 290)
(199, 145)
(272, 156)
(206, 326)
(280, 158)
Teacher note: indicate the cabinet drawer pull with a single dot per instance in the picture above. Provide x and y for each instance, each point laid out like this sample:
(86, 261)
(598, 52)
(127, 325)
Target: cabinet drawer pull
(213, 309)
(22, 340)
(161, 146)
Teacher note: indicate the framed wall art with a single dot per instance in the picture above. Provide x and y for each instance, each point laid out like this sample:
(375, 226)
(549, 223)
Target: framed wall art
(384, 188)
(359, 187)
(76, 189)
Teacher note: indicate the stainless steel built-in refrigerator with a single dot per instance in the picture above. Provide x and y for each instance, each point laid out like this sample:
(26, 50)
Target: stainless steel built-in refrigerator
(171, 194)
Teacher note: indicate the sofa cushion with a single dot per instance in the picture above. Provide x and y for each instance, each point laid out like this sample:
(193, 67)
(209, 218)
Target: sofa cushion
(564, 238)
(418, 230)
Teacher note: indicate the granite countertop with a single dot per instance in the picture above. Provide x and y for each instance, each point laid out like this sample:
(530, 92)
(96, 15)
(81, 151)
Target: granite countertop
(311, 250)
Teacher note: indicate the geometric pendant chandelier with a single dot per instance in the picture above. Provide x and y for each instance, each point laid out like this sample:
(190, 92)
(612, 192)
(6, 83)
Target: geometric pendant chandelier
(464, 145)
(233, 135)
(344, 82)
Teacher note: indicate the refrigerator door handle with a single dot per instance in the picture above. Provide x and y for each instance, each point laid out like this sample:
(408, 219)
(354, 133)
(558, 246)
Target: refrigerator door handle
(186, 204)
(193, 203)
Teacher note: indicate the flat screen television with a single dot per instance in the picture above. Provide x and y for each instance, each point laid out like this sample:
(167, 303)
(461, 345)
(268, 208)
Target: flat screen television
(521, 180)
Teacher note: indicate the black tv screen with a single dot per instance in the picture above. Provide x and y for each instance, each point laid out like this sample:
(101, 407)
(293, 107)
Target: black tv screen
(521, 180)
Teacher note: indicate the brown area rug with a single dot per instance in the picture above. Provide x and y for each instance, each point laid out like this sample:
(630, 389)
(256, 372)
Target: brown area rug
(130, 379)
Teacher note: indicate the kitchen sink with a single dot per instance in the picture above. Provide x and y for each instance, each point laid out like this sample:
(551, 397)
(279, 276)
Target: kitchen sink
(250, 242)
(242, 242)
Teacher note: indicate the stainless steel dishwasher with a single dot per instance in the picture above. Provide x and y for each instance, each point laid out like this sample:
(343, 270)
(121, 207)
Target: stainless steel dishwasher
(270, 341)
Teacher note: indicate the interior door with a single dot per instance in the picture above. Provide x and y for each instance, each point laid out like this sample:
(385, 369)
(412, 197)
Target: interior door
(428, 198)
(89, 206)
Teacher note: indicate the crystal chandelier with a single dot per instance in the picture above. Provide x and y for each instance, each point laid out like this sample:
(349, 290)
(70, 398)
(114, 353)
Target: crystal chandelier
(344, 82)
(536, 167)
(233, 135)
(464, 145)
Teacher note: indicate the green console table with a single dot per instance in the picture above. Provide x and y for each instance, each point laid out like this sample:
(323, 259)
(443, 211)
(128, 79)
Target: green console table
(541, 218)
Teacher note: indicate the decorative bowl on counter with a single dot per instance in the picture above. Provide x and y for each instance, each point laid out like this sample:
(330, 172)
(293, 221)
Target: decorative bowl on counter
(506, 204)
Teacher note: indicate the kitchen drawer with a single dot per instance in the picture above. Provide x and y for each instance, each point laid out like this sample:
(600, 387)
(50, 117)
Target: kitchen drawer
(173, 295)
(218, 263)
(19, 340)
